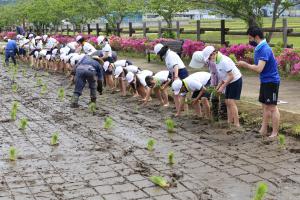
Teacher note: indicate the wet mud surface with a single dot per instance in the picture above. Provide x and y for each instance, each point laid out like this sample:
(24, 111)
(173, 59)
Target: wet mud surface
(92, 163)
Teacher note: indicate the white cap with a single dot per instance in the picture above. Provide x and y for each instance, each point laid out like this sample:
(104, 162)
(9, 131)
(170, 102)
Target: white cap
(197, 60)
(79, 37)
(76, 58)
(105, 65)
(118, 71)
(37, 38)
(157, 48)
(176, 86)
(207, 51)
(129, 77)
(45, 37)
(30, 35)
(106, 48)
(100, 39)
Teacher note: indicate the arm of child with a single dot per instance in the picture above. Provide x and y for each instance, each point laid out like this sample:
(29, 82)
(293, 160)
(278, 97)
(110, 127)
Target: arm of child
(230, 77)
(203, 89)
(165, 85)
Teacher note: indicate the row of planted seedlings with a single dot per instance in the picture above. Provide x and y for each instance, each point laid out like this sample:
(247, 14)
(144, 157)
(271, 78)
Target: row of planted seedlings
(108, 123)
(23, 123)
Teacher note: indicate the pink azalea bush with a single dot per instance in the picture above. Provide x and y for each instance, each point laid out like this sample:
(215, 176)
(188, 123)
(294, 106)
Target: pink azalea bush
(9, 35)
(289, 61)
(190, 46)
(241, 52)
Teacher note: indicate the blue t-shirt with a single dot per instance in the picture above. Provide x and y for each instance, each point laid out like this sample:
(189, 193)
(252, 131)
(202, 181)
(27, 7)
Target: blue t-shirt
(87, 60)
(11, 46)
(270, 72)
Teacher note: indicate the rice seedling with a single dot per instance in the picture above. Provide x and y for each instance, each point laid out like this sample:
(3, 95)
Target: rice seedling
(150, 144)
(296, 129)
(160, 181)
(171, 158)
(44, 89)
(61, 94)
(54, 139)
(108, 123)
(261, 191)
(170, 125)
(23, 123)
(14, 110)
(92, 108)
(39, 82)
(281, 141)
(12, 154)
(14, 87)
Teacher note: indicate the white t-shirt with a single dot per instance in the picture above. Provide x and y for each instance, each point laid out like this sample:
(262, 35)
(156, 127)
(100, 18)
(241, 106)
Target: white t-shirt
(39, 45)
(121, 63)
(226, 65)
(132, 68)
(161, 77)
(173, 59)
(142, 76)
(202, 77)
(88, 48)
(192, 84)
(72, 45)
(32, 45)
(51, 42)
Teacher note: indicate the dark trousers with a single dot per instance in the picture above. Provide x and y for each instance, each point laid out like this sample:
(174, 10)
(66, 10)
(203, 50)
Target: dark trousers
(10, 54)
(83, 76)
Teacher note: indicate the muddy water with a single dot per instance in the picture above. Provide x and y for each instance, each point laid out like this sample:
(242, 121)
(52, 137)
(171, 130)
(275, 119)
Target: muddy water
(211, 162)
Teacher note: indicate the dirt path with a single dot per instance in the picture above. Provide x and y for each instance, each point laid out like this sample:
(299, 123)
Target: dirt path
(289, 90)
(93, 163)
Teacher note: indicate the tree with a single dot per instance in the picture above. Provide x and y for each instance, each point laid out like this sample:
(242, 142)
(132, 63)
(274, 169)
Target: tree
(167, 8)
(279, 7)
(247, 10)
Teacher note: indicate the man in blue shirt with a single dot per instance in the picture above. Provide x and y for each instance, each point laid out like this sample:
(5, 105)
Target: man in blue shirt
(87, 70)
(11, 50)
(266, 65)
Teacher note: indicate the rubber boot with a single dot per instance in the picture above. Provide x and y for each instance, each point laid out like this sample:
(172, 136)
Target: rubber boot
(100, 87)
(93, 99)
(74, 101)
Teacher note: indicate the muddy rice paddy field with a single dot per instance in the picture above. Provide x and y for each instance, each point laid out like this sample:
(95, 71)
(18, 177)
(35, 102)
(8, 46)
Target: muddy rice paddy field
(92, 163)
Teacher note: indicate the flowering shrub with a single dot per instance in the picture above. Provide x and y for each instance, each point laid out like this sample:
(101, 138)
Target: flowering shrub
(9, 35)
(190, 46)
(289, 61)
(241, 52)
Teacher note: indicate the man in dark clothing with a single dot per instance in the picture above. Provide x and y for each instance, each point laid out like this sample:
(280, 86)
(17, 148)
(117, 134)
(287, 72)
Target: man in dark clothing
(11, 50)
(87, 70)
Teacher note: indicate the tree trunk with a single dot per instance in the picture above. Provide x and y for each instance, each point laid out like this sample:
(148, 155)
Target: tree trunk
(274, 18)
(252, 21)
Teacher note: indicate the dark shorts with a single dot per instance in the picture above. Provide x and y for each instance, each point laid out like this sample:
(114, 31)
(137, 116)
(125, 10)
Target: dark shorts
(22, 52)
(268, 93)
(182, 74)
(205, 94)
(234, 90)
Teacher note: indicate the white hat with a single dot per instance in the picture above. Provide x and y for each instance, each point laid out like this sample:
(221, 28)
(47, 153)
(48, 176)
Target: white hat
(105, 65)
(100, 39)
(176, 86)
(30, 35)
(106, 48)
(207, 51)
(157, 48)
(197, 60)
(129, 77)
(79, 37)
(118, 71)
(45, 37)
(37, 38)
(19, 37)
